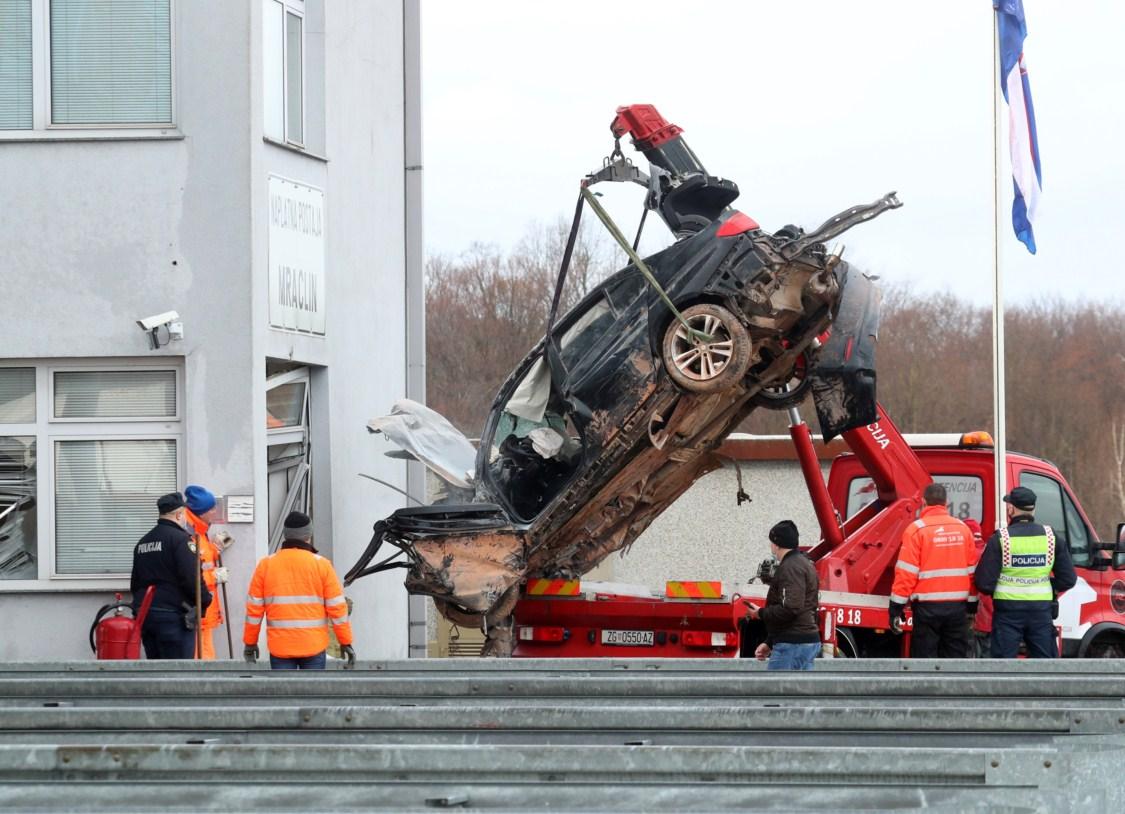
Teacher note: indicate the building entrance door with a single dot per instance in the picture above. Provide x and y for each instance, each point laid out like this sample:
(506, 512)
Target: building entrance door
(289, 453)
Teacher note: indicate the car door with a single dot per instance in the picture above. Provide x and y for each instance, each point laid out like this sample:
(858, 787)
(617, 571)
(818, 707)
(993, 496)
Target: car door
(601, 358)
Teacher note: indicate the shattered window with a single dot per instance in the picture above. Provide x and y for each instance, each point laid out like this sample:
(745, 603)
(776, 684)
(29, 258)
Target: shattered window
(534, 449)
(576, 342)
(626, 290)
(18, 543)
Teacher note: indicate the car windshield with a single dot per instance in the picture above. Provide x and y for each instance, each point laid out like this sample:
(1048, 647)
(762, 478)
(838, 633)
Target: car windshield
(534, 448)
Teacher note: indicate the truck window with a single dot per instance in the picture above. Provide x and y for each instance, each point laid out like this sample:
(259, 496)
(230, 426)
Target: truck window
(1055, 509)
(966, 495)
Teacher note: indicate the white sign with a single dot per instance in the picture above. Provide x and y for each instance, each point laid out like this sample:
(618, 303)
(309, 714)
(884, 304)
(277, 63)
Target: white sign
(240, 508)
(296, 256)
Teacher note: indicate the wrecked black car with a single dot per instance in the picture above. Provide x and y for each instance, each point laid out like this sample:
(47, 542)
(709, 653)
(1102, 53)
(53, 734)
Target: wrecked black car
(621, 406)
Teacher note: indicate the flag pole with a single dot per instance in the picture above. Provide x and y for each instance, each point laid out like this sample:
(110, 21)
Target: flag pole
(998, 383)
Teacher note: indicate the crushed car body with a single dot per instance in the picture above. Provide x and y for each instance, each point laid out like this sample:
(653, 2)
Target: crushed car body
(623, 404)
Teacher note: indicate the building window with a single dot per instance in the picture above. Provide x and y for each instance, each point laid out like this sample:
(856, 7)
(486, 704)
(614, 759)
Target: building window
(16, 101)
(106, 63)
(283, 55)
(85, 451)
(105, 499)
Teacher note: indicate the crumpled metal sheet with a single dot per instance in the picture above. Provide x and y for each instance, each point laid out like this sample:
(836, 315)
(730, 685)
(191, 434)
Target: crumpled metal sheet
(429, 437)
(843, 378)
(471, 570)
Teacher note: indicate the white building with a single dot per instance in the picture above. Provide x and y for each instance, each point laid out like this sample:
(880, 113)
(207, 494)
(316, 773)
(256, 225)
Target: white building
(253, 166)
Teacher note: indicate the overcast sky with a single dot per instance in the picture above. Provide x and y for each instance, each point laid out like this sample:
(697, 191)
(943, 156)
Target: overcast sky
(808, 106)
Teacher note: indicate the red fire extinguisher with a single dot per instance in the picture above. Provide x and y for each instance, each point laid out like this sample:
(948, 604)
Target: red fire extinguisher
(119, 636)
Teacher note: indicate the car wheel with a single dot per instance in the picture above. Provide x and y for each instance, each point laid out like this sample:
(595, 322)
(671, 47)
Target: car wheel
(788, 394)
(707, 366)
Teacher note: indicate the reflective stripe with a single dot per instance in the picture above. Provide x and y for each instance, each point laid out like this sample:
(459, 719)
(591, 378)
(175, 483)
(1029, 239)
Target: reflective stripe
(207, 566)
(1026, 590)
(905, 566)
(296, 622)
(294, 600)
(343, 620)
(253, 620)
(972, 569)
(336, 600)
(900, 599)
(944, 572)
(942, 596)
(254, 600)
(919, 524)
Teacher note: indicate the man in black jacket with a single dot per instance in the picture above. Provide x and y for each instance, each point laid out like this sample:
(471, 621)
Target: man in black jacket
(165, 557)
(793, 639)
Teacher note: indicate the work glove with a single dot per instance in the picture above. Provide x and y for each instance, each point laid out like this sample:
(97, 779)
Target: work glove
(189, 615)
(897, 614)
(222, 539)
(222, 574)
(349, 656)
(250, 653)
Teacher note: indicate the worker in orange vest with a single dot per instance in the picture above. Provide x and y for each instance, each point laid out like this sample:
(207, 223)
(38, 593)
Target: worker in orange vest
(297, 593)
(934, 573)
(201, 511)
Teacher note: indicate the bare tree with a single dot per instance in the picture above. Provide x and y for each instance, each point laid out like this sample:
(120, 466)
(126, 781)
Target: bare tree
(485, 310)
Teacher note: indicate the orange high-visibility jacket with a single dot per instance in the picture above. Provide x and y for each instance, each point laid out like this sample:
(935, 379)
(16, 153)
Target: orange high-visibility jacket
(208, 560)
(936, 560)
(298, 594)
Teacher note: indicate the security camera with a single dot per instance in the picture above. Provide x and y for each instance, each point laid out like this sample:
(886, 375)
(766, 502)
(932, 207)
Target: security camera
(169, 320)
(151, 323)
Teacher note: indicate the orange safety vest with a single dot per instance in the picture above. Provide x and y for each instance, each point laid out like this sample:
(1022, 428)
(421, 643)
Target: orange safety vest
(208, 558)
(298, 594)
(936, 560)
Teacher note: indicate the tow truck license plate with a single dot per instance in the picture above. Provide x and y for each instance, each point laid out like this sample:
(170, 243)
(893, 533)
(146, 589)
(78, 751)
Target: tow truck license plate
(631, 638)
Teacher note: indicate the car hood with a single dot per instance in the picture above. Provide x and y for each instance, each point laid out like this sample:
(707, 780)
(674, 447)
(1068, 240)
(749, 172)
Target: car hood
(429, 437)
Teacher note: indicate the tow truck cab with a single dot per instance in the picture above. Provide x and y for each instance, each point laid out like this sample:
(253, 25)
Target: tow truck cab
(1092, 614)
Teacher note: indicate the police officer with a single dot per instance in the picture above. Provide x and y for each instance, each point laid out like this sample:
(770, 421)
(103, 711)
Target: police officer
(1023, 570)
(165, 558)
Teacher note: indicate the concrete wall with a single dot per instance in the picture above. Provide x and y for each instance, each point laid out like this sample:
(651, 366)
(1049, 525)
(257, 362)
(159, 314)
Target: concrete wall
(706, 535)
(98, 233)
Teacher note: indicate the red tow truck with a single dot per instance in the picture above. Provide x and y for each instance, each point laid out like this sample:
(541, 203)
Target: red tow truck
(872, 494)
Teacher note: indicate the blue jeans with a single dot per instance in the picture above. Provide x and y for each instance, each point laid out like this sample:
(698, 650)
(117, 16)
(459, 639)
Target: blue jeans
(316, 662)
(790, 656)
(165, 637)
(1030, 621)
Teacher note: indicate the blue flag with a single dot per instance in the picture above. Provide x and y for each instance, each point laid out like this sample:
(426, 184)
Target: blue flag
(1022, 138)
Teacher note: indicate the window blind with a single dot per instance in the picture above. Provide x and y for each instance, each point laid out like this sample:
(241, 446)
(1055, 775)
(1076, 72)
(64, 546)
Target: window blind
(115, 394)
(17, 395)
(111, 62)
(15, 65)
(105, 500)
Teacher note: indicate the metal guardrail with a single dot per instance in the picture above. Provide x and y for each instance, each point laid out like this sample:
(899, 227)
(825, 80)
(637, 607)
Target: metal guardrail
(610, 735)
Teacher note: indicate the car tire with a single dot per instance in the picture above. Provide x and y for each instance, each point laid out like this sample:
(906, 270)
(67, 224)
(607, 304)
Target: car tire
(776, 398)
(707, 367)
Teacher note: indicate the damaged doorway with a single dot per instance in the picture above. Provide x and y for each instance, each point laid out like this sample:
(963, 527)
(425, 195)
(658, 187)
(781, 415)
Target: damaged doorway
(288, 445)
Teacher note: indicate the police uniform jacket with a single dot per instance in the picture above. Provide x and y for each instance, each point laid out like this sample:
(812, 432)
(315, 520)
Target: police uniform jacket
(987, 574)
(163, 558)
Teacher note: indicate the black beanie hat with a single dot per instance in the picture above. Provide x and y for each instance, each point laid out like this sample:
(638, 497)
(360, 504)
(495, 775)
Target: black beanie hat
(298, 526)
(784, 534)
